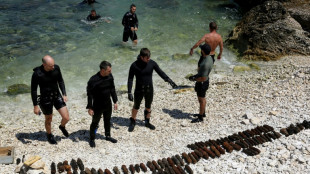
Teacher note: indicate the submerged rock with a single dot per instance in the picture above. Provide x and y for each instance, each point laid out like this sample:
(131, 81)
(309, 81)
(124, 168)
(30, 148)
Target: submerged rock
(18, 89)
(179, 56)
(241, 68)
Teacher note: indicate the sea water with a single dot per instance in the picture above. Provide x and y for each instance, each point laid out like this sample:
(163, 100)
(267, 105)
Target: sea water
(33, 28)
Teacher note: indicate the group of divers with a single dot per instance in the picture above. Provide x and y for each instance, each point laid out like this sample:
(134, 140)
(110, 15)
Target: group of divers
(101, 88)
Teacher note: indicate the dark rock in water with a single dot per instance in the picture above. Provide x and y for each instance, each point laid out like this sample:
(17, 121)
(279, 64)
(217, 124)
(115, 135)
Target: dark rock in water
(271, 30)
(179, 56)
(162, 4)
(18, 89)
(80, 164)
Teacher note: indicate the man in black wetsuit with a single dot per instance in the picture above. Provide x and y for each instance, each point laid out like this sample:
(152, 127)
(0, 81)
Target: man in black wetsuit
(89, 2)
(100, 89)
(48, 77)
(143, 68)
(130, 23)
(93, 16)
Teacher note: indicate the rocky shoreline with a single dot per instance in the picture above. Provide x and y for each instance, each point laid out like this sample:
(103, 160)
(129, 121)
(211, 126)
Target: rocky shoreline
(277, 95)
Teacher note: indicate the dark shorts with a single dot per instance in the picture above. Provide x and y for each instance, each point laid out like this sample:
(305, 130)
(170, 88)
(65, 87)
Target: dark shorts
(47, 103)
(129, 33)
(147, 94)
(201, 88)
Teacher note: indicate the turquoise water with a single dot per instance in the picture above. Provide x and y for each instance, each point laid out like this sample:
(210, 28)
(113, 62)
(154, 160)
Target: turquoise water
(31, 29)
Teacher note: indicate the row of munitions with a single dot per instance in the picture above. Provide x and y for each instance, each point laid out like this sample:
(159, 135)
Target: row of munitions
(212, 148)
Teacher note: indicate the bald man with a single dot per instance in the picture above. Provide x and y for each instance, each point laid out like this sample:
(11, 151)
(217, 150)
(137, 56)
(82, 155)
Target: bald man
(48, 77)
(213, 39)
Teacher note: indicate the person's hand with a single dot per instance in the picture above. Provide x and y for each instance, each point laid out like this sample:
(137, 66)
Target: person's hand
(115, 106)
(172, 83)
(65, 98)
(132, 28)
(192, 78)
(191, 52)
(36, 110)
(130, 97)
(219, 57)
(90, 112)
(136, 29)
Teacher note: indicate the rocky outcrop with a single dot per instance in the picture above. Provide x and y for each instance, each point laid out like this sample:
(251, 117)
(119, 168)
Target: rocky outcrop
(271, 30)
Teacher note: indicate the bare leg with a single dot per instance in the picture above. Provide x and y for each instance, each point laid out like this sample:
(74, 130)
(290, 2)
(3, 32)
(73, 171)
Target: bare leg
(135, 42)
(134, 113)
(48, 123)
(64, 115)
(149, 112)
(202, 105)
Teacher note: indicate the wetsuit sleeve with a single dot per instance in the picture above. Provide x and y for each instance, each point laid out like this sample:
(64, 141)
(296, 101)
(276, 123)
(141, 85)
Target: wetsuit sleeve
(160, 72)
(61, 83)
(130, 78)
(113, 92)
(89, 94)
(124, 20)
(34, 87)
(137, 22)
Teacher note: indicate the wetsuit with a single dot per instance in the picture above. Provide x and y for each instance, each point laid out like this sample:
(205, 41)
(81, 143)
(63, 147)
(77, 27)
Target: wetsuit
(88, 2)
(93, 18)
(205, 66)
(99, 91)
(129, 20)
(49, 83)
(144, 82)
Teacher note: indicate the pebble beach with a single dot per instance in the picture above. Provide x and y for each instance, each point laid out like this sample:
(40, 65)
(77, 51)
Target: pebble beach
(277, 95)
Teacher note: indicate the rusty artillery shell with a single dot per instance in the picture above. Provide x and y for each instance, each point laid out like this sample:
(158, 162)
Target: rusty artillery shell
(210, 153)
(270, 134)
(137, 168)
(266, 137)
(131, 169)
(100, 171)
(155, 165)
(259, 139)
(207, 143)
(241, 134)
(60, 167)
(248, 152)
(198, 153)
(75, 172)
(257, 151)
(116, 171)
(107, 171)
(161, 163)
(181, 170)
(188, 169)
(165, 162)
(248, 142)
(142, 166)
(300, 126)
(235, 146)
(213, 142)
(194, 161)
(198, 145)
(74, 165)
(197, 158)
(171, 163)
(186, 157)
(250, 133)
(80, 164)
(216, 152)
(269, 128)
(125, 170)
(220, 149)
(255, 141)
(277, 134)
(244, 143)
(67, 167)
(65, 162)
(93, 171)
(204, 154)
(180, 159)
(176, 170)
(53, 168)
(246, 134)
(175, 160)
(170, 169)
(228, 147)
(87, 171)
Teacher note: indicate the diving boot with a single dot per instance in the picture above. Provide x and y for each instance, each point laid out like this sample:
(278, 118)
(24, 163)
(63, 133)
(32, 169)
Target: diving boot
(203, 115)
(64, 131)
(197, 120)
(109, 138)
(51, 139)
(132, 124)
(148, 124)
(92, 143)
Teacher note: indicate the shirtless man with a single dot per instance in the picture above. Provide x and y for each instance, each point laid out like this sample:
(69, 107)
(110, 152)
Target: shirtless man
(213, 39)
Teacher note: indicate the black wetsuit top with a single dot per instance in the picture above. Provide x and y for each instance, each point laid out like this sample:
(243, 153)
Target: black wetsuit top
(93, 18)
(88, 2)
(143, 72)
(130, 20)
(49, 82)
(100, 90)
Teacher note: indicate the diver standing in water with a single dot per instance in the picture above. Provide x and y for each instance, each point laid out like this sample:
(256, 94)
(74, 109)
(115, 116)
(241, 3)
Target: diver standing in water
(93, 16)
(213, 39)
(130, 23)
(205, 65)
(49, 78)
(143, 69)
(100, 89)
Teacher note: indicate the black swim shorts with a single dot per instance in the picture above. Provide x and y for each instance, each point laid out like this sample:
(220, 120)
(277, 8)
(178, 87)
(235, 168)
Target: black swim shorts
(201, 88)
(47, 102)
(129, 33)
(146, 93)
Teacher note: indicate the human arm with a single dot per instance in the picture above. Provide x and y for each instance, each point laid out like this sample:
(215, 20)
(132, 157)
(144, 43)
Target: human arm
(130, 82)
(196, 45)
(113, 91)
(90, 97)
(221, 49)
(61, 84)
(137, 23)
(164, 75)
(34, 95)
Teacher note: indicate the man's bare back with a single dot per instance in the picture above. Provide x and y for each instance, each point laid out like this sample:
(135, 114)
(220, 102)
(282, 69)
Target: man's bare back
(213, 39)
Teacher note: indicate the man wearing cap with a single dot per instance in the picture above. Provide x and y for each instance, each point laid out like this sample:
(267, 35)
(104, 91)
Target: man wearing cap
(213, 39)
(205, 65)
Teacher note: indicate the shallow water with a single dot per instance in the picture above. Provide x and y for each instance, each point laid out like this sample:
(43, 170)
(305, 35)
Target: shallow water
(31, 29)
